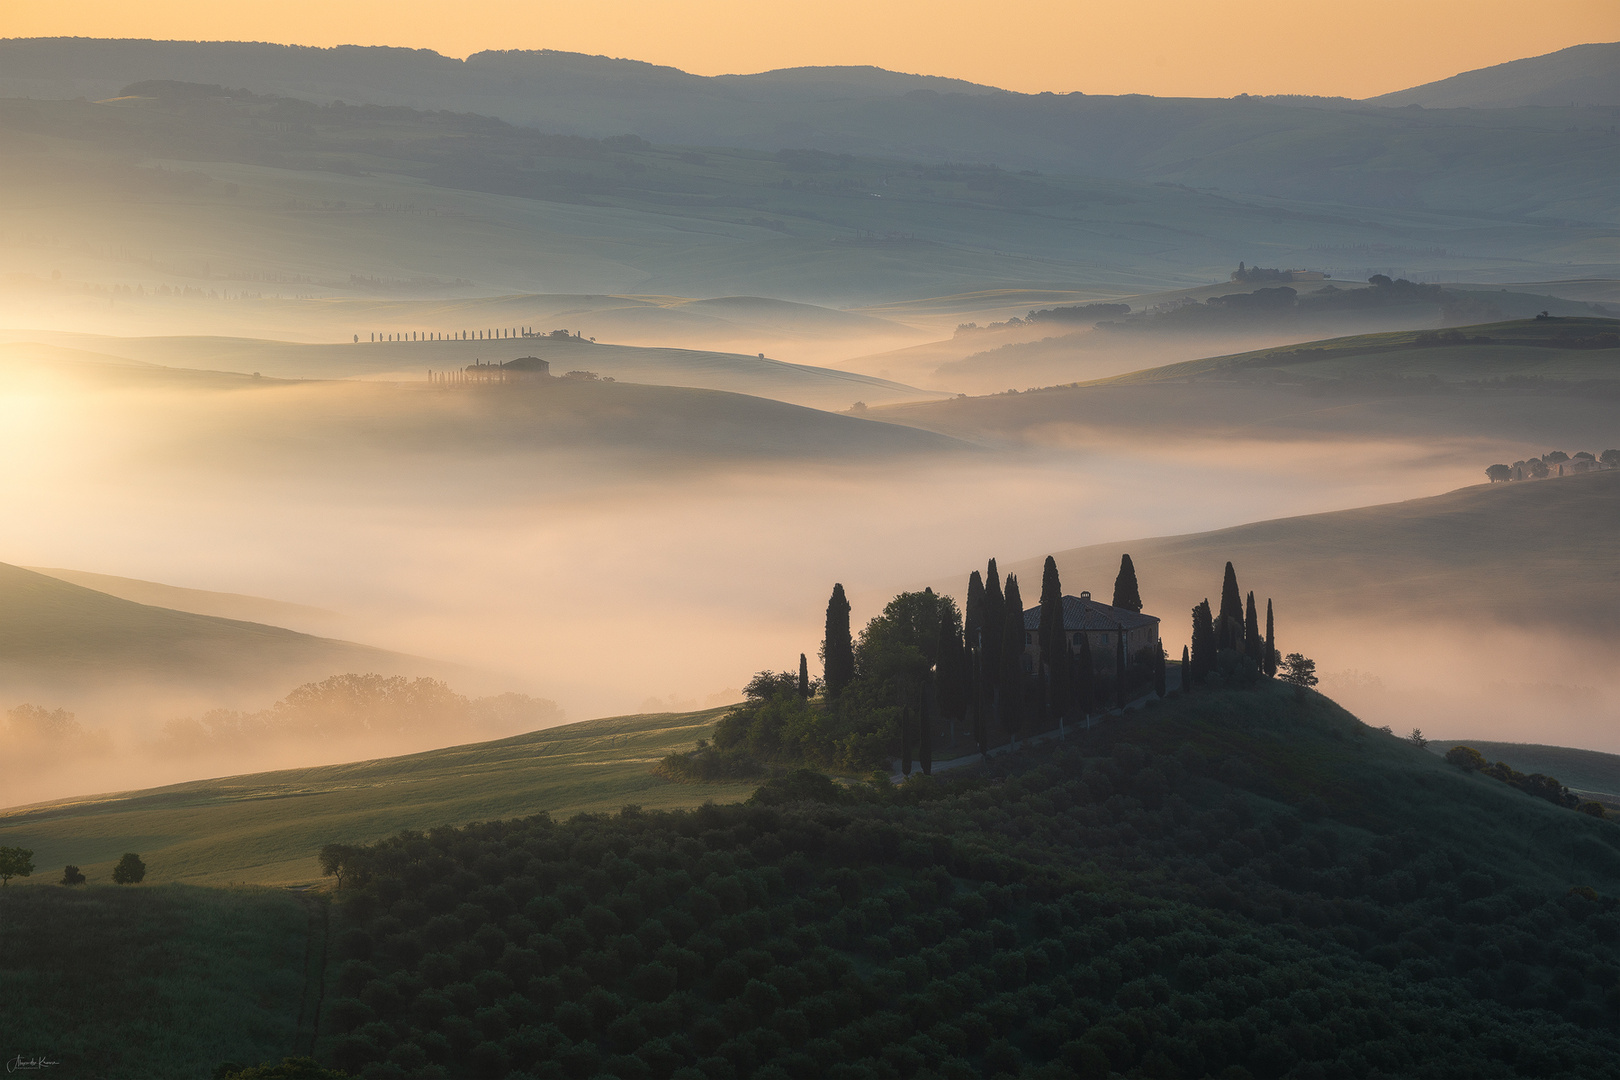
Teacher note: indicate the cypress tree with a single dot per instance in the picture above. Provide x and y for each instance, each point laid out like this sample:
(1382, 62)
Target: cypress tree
(1158, 671)
(1010, 688)
(1270, 664)
(1229, 627)
(995, 607)
(973, 616)
(1085, 682)
(1054, 651)
(1120, 661)
(1251, 632)
(837, 648)
(1126, 594)
(925, 734)
(1186, 670)
(979, 695)
(1204, 643)
(804, 677)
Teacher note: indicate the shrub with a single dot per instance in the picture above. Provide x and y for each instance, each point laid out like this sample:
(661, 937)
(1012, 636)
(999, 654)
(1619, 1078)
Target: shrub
(130, 870)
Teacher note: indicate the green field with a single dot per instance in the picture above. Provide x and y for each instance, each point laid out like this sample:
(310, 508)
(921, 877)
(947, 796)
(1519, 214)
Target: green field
(266, 828)
(1588, 771)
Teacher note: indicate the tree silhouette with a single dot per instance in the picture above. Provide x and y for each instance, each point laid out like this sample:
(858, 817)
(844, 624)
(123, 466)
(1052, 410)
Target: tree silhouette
(1499, 473)
(1300, 671)
(1054, 651)
(804, 676)
(1010, 686)
(71, 875)
(15, 862)
(1126, 594)
(130, 870)
(1270, 664)
(1204, 643)
(1229, 626)
(837, 648)
(1251, 631)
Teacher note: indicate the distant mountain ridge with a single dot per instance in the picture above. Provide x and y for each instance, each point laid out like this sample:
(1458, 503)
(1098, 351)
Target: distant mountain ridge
(1581, 75)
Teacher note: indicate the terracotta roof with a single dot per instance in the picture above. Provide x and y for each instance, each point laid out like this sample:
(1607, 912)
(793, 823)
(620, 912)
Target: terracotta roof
(1087, 614)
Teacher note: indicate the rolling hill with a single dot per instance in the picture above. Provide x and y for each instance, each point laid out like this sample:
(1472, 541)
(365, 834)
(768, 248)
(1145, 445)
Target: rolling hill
(63, 641)
(1578, 75)
(754, 375)
(266, 828)
(1595, 775)
(234, 606)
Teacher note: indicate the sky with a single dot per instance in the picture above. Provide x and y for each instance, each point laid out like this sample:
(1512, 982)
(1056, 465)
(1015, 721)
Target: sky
(1162, 47)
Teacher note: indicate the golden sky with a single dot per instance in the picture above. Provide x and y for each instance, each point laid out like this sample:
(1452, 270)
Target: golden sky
(1165, 47)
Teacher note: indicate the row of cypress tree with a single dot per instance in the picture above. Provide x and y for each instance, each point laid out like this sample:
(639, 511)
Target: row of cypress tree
(1235, 631)
(978, 676)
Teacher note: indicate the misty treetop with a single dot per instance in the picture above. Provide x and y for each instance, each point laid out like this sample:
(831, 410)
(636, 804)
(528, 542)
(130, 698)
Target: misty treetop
(1554, 463)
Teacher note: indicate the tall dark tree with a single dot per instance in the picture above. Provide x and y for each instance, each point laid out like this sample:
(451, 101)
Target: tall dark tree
(973, 615)
(1126, 594)
(1186, 669)
(925, 732)
(1121, 663)
(1085, 678)
(950, 677)
(1229, 625)
(1010, 686)
(905, 738)
(1158, 670)
(979, 694)
(804, 677)
(837, 648)
(995, 607)
(1251, 631)
(1204, 643)
(1270, 664)
(1054, 650)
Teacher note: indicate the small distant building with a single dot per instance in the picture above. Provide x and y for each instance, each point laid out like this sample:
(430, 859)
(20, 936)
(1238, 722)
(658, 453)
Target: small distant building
(1103, 623)
(528, 365)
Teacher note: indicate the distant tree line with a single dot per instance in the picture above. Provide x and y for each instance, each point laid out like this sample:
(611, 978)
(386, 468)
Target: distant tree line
(1468, 759)
(1542, 467)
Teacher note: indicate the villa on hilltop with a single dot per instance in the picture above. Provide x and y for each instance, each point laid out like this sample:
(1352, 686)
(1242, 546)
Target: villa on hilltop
(1103, 623)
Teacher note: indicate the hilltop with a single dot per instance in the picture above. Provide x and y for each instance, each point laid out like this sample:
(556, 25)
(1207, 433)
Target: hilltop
(1230, 880)
(66, 642)
(1578, 75)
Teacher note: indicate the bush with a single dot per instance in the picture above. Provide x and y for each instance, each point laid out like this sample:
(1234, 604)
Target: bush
(71, 875)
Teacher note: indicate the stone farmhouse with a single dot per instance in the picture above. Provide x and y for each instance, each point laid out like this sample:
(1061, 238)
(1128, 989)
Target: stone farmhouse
(1103, 623)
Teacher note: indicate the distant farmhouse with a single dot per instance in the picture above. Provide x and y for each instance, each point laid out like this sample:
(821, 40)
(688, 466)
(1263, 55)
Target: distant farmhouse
(1103, 623)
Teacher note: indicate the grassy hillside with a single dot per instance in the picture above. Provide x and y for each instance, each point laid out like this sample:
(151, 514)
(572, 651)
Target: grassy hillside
(266, 828)
(1435, 559)
(64, 639)
(1567, 349)
(1228, 881)
(1588, 771)
(157, 983)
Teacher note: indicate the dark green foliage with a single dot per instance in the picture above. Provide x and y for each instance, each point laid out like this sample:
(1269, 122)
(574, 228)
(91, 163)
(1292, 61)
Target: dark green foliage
(1122, 685)
(766, 685)
(1249, 886)
(1468, 759)
(293, 1068)
(804, 676)
(71, 875)
(1229, 623)
(1205, 644)
(973, 615)
(1252, 645)
(130, 870)
(1186, 669)
(1158, 670)
(925, 732)
(1012, 681)
(1054, 642)
(1126, 593)
(1085, 677)
(951, 677)
(1271, 657)
(837, 647)
(995, 610)
(15, 862)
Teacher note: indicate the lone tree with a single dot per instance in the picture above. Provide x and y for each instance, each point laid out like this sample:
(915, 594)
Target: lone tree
(1186, 669)
(130, 870)
(1300, 671)
(1229, 627)
(1499, 473)
(973, 614)
(15, 862)
(71, 875)
(837, 648)
(1270, 664)
(804, 677)
(1126, 594)
(995, 609)
(1417, 738)
(343, 862)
